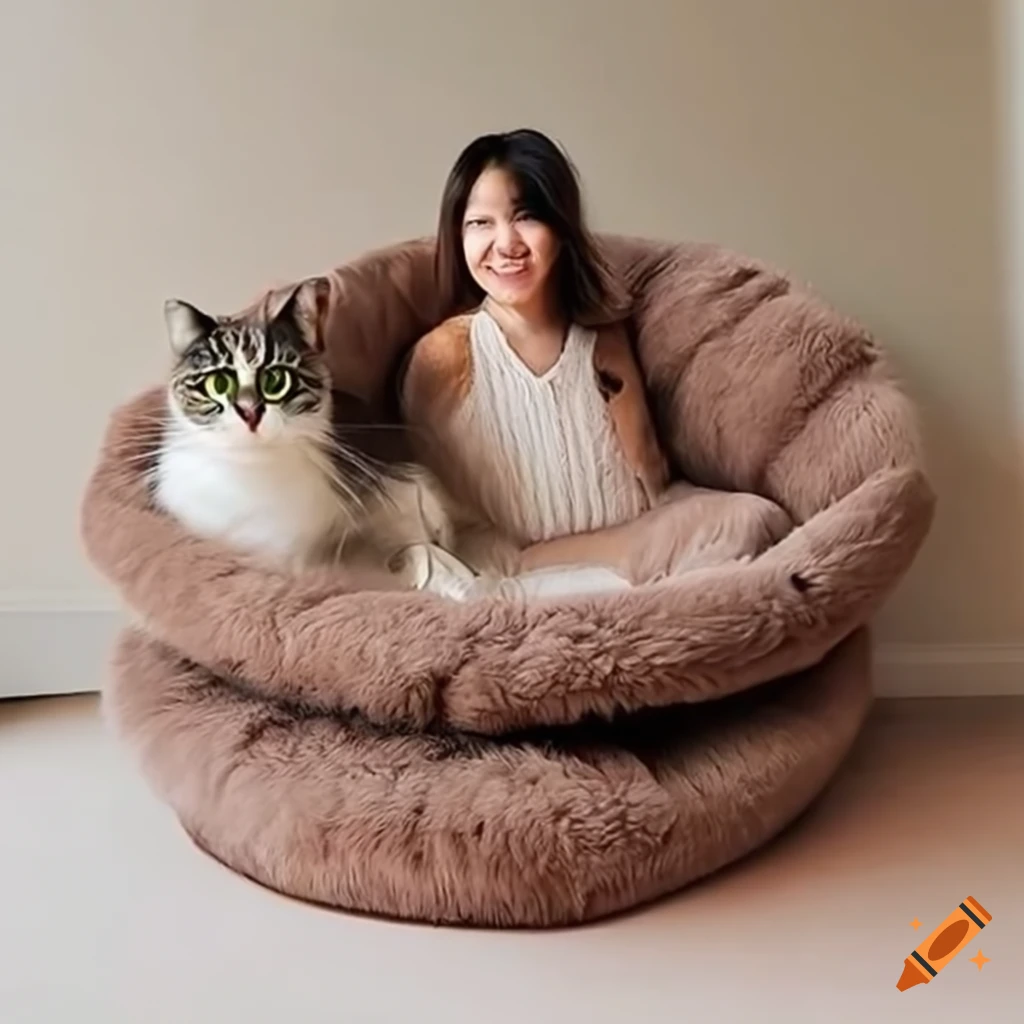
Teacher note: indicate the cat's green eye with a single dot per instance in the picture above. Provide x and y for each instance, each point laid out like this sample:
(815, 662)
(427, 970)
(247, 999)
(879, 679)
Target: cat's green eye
(275, 383)
(220, 385)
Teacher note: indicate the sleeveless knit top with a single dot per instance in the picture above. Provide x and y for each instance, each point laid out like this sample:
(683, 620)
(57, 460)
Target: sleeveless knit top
(541, 450)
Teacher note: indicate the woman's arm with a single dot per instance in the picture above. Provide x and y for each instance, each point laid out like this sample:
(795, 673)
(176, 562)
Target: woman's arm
(432, 387)
(621, 382)
(691, 527)
(437, 376)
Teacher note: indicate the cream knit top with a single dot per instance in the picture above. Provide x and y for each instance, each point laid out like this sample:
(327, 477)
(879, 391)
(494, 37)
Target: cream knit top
(544, 454)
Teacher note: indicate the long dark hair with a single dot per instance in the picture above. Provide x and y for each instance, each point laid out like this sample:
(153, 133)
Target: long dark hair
(549, 190)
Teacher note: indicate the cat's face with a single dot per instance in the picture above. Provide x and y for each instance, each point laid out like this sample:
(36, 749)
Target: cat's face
(251, 380)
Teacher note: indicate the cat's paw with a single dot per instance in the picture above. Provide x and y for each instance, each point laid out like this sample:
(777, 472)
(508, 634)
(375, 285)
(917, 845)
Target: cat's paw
(433, 570)
(411, 565)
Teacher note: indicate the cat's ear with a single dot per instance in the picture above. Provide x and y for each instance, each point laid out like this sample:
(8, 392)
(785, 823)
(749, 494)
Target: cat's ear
(303, 306)
(185, 325)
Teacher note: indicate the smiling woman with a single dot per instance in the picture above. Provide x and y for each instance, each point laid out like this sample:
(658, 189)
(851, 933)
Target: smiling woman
(512, 227)
(530, 401)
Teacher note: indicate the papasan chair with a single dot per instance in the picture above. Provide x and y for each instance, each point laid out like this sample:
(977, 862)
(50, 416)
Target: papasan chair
(532, 763)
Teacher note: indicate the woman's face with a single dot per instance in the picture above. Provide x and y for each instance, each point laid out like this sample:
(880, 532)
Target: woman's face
(509, 253)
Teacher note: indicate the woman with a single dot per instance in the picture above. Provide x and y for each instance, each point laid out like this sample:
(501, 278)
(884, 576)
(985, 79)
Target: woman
(529, 403)
(530, 397)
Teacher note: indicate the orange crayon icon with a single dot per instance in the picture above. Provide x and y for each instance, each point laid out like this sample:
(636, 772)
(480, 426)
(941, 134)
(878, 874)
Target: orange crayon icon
(943, 944)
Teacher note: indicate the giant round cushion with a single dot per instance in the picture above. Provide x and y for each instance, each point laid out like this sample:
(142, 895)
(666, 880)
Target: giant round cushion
(545, 762)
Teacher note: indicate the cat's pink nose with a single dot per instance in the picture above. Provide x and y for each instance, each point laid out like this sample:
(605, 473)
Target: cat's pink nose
(251, 414)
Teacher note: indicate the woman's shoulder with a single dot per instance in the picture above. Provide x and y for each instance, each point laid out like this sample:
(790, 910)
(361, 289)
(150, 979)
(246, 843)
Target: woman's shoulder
(447, 343)
(438, 369)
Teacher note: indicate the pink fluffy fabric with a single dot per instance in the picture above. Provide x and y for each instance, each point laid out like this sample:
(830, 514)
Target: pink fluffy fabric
(548, 762)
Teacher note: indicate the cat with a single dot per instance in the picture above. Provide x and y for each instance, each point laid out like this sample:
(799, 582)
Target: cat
(250, 455)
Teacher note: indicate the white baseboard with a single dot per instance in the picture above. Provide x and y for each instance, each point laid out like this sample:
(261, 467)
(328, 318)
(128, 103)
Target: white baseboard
(53, 650)
(55, 647)
(949, 670)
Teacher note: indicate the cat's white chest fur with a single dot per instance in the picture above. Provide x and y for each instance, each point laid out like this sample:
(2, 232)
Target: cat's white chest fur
(274, 499)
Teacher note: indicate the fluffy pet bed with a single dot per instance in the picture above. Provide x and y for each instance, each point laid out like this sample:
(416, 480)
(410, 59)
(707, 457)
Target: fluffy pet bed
(546, 763)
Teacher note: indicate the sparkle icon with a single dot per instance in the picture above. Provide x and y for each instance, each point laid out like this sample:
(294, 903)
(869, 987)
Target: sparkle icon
(980, 959)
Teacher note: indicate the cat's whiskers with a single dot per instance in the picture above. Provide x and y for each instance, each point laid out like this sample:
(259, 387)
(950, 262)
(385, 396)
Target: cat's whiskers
(353, 428)
(354, 459)
(337, 479)
(374, 468)
(137, 459)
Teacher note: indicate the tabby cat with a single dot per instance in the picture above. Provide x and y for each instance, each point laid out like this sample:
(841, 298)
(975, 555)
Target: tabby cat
(250, 456)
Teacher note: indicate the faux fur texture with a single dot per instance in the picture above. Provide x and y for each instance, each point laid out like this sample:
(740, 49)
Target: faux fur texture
(542, 763)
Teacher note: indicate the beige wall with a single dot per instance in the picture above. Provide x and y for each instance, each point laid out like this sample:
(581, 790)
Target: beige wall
(191, 148)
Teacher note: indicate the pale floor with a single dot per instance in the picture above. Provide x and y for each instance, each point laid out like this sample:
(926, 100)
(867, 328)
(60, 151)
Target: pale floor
(109, 915)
